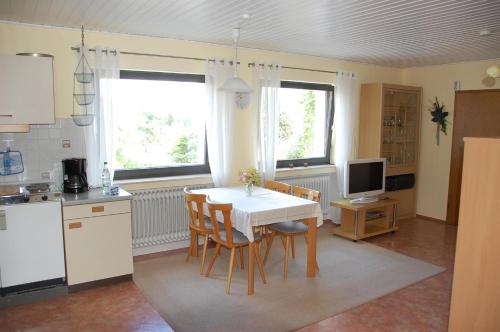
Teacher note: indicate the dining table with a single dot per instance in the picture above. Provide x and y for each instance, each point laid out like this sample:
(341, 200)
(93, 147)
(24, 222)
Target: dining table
(263, 207)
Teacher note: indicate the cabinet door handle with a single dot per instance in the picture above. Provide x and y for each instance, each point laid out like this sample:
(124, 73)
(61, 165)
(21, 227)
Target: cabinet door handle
(96, 209)
(74, 225)
(6, 115)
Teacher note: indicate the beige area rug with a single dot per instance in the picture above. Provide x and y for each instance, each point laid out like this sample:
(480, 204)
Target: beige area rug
(351, 274)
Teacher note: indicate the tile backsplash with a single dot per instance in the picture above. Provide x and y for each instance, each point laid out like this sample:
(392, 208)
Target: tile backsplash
(42, 150)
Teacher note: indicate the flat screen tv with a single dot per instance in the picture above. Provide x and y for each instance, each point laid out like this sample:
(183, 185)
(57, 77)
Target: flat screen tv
(364, 179)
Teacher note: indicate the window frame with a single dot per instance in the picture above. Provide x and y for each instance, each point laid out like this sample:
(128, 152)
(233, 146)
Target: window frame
(155, 172)
(285, 163)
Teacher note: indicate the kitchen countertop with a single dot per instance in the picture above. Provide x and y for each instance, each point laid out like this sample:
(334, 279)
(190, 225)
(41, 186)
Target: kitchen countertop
(94, 196)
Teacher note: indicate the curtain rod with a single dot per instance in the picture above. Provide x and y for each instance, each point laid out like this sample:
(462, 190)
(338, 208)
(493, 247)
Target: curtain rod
(151, 54)
(252, 64)
(197, 59)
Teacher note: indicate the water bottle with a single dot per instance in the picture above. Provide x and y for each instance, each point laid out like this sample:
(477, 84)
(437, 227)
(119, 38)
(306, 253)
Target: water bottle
(106, 180)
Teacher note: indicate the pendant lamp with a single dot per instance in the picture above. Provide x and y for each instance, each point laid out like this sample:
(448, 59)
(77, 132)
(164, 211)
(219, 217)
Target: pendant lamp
(235, 84)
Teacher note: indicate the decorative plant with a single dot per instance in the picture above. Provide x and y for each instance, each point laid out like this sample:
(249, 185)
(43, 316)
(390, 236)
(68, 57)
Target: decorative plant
(250, 176)
(439, 117)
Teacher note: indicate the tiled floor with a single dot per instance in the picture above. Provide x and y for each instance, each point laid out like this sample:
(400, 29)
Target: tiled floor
(423, 306)
(420, 307)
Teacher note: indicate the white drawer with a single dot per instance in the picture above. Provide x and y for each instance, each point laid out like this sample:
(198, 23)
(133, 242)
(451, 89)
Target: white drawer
(96, 209)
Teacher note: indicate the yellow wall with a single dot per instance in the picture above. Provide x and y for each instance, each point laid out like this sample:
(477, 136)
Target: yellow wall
(435, 80)
(16, 38)
(434, 165)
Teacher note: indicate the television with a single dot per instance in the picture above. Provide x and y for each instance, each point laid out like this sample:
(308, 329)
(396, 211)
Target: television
(364, 179)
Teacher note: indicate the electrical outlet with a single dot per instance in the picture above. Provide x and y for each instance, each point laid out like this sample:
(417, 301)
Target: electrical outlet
(66, 143)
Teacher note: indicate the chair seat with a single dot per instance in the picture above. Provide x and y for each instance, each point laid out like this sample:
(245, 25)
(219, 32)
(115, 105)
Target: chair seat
(238, 237)
(289, 227)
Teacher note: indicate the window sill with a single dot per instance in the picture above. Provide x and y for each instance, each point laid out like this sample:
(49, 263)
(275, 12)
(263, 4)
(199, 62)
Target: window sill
(309, 170)
(164, 182)
(198, 179)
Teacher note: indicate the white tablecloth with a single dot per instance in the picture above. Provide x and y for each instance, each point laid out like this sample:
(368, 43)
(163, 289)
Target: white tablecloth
(263, 207)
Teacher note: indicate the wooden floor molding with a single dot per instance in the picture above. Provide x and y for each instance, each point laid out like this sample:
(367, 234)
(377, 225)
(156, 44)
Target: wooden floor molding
(431, 219)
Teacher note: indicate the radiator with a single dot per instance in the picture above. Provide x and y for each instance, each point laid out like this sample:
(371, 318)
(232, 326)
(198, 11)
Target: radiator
(322, 183)
(159, 216)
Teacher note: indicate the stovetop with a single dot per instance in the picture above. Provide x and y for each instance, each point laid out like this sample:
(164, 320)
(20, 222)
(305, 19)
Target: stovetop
(30, 193)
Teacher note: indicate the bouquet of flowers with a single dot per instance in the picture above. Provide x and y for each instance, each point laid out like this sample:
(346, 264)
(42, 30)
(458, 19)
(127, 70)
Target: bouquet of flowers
(250, 176)
(439, 117)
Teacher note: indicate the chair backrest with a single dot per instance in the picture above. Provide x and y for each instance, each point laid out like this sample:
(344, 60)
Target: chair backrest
(225, 209)
(277, 186)
(307, 193)
(196, 216)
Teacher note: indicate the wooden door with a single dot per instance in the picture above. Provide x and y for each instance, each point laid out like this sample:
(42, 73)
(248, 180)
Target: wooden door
(477, 114)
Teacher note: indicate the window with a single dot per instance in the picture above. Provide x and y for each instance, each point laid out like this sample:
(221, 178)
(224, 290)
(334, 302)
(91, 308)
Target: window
(305, 122)
(160, 126)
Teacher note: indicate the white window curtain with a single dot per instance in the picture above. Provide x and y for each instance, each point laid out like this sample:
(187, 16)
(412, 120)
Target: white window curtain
(346, 124)
(99, 137)
(266, 81)
(219, 121)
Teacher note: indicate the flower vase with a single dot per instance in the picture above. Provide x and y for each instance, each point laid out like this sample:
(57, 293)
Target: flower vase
(249, 189)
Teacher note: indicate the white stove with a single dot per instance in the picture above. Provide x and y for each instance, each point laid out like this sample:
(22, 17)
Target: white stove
(31, 239)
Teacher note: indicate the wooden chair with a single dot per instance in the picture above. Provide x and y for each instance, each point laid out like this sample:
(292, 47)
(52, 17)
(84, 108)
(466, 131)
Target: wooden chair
(199, 224)
(289, 229)
(277, 186)
(226, 236)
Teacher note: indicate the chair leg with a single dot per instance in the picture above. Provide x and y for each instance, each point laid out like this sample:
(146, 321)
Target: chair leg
(260, 265)
(204, 254)
(287, 245)
(283, 241)
(190, 247)
(230, 270)
(269, 244)
(293, 246)
(212, 260)
(242, 259)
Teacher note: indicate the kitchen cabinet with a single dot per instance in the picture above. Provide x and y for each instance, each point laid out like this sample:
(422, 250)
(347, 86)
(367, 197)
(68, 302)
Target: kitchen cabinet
(26, 90)
(98, 241)
(31, 244)
(389, 128)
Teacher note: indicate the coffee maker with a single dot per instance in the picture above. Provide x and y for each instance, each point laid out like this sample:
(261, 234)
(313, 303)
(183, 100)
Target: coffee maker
(75, 177)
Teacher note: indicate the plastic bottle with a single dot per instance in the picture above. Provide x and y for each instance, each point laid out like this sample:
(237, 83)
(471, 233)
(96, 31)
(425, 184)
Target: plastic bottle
(106, 180)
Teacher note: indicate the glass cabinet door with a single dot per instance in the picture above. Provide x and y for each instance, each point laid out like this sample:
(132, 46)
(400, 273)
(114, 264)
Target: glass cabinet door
(399, 127)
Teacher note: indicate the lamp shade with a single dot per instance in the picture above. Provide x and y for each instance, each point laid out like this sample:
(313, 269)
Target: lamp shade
(235, 84)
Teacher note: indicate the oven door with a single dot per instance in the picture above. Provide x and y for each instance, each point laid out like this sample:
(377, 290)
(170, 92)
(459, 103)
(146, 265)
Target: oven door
(31, 243)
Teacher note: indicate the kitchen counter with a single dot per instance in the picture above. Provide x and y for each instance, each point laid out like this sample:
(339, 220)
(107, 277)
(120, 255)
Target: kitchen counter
(94, 196)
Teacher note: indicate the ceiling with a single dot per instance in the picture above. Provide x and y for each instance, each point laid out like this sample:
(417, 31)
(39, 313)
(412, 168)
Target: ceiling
(395, 33)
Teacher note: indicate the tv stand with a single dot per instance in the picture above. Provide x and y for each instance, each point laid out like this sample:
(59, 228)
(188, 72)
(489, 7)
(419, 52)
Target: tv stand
(364, 200)
(359, 221)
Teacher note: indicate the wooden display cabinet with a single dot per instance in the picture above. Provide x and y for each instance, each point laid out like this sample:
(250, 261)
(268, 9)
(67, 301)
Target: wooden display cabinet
(389, 128)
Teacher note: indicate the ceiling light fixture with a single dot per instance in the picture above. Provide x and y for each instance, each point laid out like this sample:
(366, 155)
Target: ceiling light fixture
(236, 84)
(493, 71)
(485, 32)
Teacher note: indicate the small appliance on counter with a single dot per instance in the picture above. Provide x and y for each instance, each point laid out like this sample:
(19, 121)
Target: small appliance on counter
(75, 176)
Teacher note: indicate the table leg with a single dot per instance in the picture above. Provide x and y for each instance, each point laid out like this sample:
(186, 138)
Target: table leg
(311, 248)
(251, 252)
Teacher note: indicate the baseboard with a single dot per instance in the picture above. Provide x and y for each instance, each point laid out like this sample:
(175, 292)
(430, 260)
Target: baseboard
(99, 283)
(161, 247)
(419, 216)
